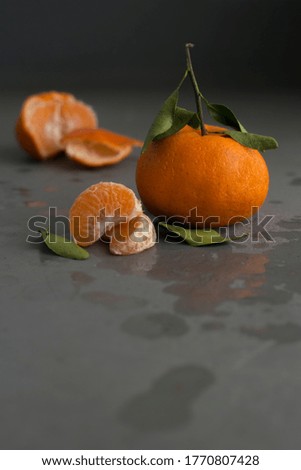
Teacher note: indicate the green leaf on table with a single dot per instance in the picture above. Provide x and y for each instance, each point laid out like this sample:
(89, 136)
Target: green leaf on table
(224, 115)
(253, 141)
(63, 247)
(196, 237)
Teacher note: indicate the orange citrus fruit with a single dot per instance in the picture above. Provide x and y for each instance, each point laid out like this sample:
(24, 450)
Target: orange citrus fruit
(209, 180)
(133, 236)
(98, 147)
(46, 117)
(99, 208)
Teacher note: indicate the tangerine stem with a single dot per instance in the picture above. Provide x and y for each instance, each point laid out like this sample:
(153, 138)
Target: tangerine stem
(183, 78)
(197, 93)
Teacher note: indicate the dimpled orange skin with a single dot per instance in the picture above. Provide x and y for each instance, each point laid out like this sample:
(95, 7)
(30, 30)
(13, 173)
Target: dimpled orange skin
(213, 174)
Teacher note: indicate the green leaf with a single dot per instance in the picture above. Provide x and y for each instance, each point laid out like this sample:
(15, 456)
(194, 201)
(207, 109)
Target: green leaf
(189, 117)
(170, 119)
(253, 141)
(62, 247)
(224, 115)
(181, 118)
(194, 121)
(196, 237)
(163, 120)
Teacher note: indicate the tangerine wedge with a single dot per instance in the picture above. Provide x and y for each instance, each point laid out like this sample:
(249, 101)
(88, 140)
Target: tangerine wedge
(133, 236)
(97, 209)
(46, 117)
(98, 147)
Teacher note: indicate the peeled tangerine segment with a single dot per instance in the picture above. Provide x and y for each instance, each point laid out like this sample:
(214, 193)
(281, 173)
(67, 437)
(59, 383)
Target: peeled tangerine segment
(97, 209)
(133, 236)
(98, 147)
(46, 117)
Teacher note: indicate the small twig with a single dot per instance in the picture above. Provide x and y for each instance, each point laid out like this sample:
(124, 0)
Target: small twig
(197, 92)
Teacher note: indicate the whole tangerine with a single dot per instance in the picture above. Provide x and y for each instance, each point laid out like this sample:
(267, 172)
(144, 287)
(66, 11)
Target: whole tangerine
(207, 179)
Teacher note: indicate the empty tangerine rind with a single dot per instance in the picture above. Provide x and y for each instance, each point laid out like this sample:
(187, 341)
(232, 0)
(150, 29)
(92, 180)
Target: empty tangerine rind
(95, 155)
(97, 147)
(102, 135)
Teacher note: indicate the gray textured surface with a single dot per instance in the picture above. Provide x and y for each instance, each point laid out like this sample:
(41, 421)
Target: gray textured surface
(173, 348)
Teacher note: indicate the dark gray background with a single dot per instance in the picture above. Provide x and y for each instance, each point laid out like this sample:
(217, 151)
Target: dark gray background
(175, 347)
(135, 43)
